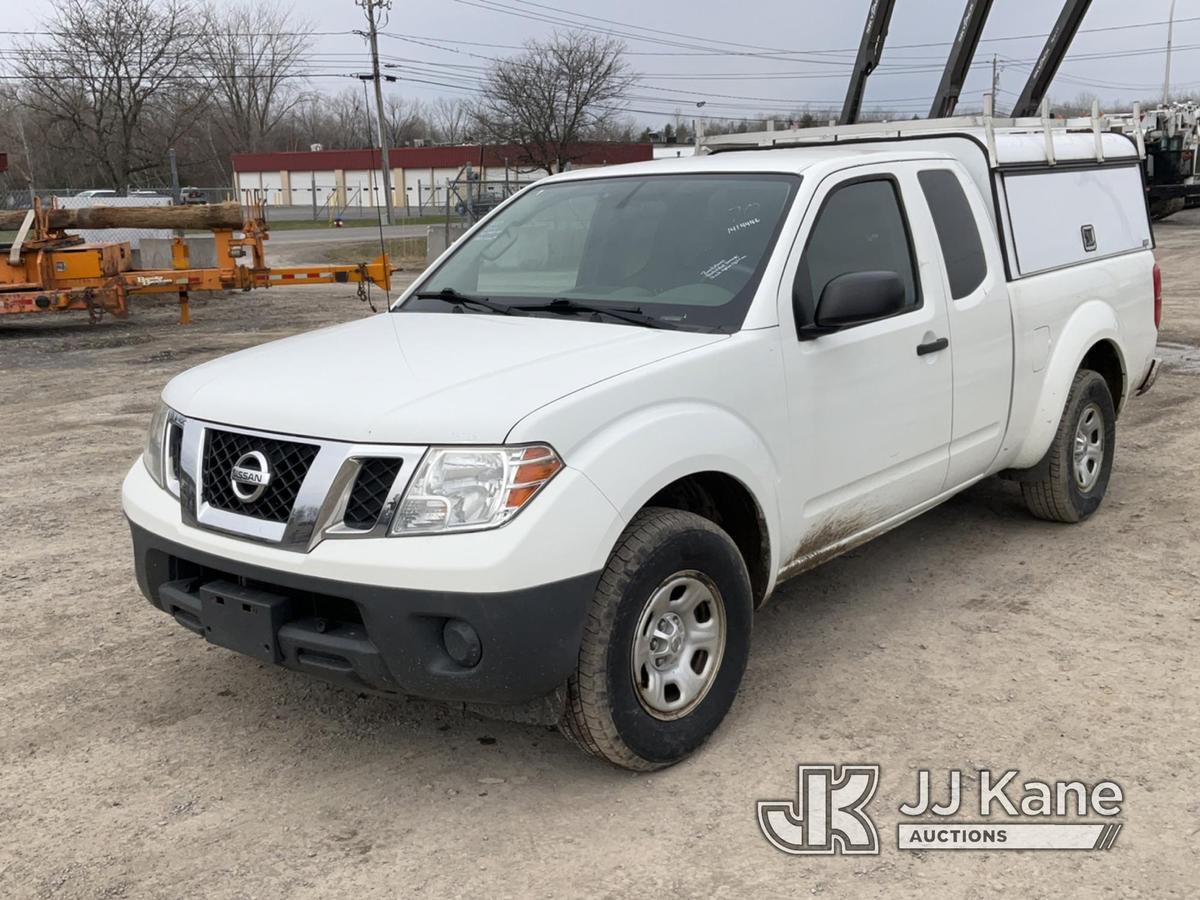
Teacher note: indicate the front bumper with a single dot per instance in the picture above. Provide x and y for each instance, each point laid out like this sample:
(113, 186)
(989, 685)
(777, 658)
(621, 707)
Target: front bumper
(381, 638)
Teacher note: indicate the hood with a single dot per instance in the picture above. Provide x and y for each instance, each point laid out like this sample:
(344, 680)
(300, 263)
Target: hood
(417, 378)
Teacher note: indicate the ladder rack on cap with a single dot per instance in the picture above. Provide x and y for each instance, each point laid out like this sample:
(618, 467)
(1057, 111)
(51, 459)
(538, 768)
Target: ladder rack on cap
(1045, 125)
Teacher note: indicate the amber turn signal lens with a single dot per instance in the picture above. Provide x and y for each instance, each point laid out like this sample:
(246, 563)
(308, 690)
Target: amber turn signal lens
(530, 476)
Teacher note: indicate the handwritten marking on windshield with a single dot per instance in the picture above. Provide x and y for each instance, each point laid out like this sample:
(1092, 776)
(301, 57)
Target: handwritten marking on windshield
(742, 226)
(718, 269)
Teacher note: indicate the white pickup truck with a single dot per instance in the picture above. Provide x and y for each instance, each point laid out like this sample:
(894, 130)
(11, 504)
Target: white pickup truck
(561, 473)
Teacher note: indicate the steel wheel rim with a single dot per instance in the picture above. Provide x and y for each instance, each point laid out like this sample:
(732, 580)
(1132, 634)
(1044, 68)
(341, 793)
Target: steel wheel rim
(678, 645)
(1088, 451)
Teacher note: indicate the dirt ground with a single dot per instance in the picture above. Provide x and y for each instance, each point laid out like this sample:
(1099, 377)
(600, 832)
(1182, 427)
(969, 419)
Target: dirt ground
(137, 761)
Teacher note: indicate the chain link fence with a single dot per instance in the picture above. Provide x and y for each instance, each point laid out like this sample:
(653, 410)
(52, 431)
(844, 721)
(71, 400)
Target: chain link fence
(22, 198)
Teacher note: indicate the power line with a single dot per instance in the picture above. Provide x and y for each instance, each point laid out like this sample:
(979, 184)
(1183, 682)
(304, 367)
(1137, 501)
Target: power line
(317, 65)
(560, 18)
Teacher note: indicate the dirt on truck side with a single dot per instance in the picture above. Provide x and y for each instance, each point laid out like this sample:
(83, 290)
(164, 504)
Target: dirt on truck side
(136, 760)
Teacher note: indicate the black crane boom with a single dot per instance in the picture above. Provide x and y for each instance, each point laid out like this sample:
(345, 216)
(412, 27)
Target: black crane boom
(966, 41)
(1051, 58)
(870, 51)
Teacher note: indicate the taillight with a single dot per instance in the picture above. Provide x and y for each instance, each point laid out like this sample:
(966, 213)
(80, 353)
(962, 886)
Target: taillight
(1157, 296)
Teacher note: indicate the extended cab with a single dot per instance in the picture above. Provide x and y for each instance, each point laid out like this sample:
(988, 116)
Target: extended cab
(561, 473)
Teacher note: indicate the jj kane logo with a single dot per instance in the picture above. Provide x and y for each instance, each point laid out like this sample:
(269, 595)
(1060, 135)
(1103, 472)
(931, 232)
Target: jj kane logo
(830, 813)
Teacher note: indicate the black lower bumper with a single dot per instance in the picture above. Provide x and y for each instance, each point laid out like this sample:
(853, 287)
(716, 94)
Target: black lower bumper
(394, 640)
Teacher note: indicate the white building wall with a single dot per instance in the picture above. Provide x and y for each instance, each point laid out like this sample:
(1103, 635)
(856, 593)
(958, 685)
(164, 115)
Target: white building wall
(247, 181)
(272, 187)
(364, 186)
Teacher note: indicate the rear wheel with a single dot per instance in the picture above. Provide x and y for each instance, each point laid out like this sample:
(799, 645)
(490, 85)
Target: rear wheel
(1081, 456)
(666, 642)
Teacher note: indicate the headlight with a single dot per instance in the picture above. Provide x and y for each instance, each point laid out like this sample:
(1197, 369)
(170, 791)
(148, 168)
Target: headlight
(153, 456)
(473, 488)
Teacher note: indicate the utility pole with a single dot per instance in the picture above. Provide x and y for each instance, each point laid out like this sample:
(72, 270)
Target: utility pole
(1170, 41)
(372, 7)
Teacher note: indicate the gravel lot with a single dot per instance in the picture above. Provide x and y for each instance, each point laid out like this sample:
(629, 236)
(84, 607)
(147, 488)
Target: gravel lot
(135, 760)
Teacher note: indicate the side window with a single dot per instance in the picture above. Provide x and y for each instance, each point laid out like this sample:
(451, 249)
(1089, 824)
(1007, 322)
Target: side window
(957, 231)
(860, 228)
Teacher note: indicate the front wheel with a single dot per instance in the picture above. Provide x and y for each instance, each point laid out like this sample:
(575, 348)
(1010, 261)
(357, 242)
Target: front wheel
(1081, 456)
(665, 645)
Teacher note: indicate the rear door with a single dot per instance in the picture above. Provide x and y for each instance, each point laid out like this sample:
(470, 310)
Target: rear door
(870, 405)
(981, 338)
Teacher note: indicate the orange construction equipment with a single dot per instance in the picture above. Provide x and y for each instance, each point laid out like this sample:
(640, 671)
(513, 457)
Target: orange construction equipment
(45, 269)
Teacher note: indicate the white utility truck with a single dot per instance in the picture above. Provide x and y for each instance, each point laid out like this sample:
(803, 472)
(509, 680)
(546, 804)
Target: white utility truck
(561, 473)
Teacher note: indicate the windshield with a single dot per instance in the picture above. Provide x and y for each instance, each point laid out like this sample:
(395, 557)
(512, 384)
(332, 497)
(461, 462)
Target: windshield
(681, 251)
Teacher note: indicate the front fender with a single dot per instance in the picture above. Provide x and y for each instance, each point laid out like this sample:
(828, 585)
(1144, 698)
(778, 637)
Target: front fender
(1093, 322)
(634, 456)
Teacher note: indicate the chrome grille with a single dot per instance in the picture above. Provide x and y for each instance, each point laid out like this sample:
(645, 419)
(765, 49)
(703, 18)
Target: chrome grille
(371, 490)
(289, 462)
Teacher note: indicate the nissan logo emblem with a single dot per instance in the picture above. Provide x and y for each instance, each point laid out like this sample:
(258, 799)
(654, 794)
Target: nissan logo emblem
(250, 476)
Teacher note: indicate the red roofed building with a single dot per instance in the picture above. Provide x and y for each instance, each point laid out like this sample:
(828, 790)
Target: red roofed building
(341, 178)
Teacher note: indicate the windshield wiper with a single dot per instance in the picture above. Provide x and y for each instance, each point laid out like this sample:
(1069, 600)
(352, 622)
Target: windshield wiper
(450, 295)
(631, 314)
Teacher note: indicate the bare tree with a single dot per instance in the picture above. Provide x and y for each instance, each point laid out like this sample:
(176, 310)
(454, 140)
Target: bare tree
(450, 118)
(553, 95)
(350, 116)
(622, 129)
(14, 136)
(406, 121)
(254, 52)
(115, 82)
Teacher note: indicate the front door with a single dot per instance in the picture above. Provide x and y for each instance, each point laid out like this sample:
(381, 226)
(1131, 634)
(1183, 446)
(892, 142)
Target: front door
(870, 405)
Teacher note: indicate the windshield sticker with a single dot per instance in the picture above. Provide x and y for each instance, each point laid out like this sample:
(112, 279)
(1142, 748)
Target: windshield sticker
(718, 269)
(742, 226)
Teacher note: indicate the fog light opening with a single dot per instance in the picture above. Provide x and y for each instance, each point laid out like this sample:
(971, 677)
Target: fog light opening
(462, 643)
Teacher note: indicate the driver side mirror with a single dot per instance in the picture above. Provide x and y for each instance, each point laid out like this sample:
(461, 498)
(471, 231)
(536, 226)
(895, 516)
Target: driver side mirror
(859, 297)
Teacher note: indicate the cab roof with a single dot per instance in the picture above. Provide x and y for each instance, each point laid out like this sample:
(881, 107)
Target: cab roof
(791, 160)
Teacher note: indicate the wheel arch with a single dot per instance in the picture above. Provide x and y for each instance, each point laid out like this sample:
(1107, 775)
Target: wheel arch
(1090, 338)
(696, 457)
(731, 506)
(1105, 358)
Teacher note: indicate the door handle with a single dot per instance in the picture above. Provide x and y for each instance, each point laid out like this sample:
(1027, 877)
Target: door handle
(933, 346)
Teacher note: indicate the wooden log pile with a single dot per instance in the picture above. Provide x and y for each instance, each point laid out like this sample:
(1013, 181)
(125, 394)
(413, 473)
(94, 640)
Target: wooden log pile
(213, 216)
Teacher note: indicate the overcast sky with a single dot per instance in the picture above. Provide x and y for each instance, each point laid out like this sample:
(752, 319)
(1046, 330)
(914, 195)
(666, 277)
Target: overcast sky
(802, 47)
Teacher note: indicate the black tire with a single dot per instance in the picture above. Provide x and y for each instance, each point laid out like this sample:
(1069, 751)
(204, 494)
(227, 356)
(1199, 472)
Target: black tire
(1060, 496)
(606, 714)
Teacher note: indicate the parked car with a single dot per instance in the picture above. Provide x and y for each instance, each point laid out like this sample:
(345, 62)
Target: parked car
(149, 194)
(97, 192)
(191, 196)
(558, 478)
